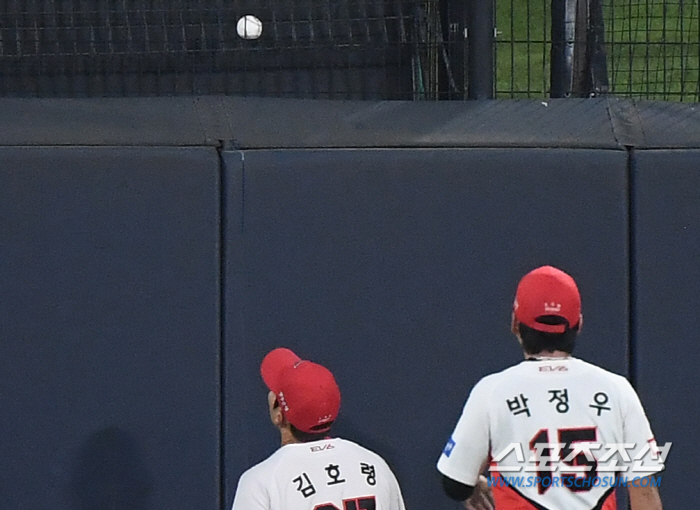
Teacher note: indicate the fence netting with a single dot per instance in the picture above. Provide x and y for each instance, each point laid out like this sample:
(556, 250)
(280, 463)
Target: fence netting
(653, 49)
(335, 49)
(308, 48)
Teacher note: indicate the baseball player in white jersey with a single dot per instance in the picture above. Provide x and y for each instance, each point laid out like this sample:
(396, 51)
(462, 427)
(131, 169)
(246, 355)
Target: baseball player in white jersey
(312, 471)
(555, 432)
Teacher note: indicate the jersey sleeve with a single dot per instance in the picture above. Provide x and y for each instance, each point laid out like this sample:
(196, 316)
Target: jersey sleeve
(395, 495)
(645, 458)
(250, 493)
(468, 448)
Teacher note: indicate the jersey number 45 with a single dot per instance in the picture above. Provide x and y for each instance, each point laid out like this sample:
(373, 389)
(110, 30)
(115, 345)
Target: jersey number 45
(566, 436)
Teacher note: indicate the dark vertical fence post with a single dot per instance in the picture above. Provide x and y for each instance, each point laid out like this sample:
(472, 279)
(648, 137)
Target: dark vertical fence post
(596, 49)
(578, 50)
(560, 73)
(480, 25)
(455, 20)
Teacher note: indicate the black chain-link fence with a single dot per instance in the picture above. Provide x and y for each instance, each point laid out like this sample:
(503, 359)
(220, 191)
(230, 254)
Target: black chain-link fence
(651, 48)
(523, 45)
(339, 49)
(308, 48)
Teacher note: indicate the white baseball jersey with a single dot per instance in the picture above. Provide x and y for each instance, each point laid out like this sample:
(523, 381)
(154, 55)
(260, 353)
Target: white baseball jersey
(330, 474)
(553, 429)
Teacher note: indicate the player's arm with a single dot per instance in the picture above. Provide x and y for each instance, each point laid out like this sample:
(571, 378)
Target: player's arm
(397, 497)
(250, 494)
(460, 491)
(393, 489)
(479, 497)
(456, 490)
(466, 454)
(475, 497)
(644, 498)
(637, 431)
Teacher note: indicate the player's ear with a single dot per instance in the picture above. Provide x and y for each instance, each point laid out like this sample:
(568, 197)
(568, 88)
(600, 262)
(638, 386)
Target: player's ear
(276, 416)
(580, 323)
(514, 326)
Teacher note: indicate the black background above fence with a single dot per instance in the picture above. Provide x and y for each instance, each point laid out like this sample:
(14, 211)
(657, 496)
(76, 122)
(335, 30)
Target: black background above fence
(340, 49)
(349, 49)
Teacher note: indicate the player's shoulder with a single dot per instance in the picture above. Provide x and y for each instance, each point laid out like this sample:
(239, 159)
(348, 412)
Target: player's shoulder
(305, 452)
(283, 458)
(527, 369)
(265, 469)
(482, 392)
(601, 373)
(490, 382)
(360, 451)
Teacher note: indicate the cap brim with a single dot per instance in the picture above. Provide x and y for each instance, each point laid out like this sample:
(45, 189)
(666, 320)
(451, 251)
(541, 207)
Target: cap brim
(274, 364)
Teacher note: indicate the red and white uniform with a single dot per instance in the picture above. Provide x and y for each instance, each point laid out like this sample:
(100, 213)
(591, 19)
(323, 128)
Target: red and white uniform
(330, 474)
(567, 404)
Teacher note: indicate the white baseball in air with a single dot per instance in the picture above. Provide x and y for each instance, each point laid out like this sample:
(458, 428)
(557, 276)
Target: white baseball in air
(249, 27)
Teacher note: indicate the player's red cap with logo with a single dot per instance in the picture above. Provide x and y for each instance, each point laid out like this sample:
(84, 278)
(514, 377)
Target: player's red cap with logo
(544, 294)
(307, 392)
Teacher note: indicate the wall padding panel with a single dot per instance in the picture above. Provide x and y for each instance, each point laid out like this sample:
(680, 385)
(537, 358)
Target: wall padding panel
(397, 269)
(667, 293)
(109, 357)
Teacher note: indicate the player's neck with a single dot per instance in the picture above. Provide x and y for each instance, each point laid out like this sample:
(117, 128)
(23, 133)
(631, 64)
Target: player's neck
(548, 355)
(286, 437)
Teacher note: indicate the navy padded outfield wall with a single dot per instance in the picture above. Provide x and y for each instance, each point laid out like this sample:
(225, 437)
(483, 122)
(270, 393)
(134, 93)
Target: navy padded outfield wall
(667, 319)
(110, 332)
(397, 269)
(153, 250)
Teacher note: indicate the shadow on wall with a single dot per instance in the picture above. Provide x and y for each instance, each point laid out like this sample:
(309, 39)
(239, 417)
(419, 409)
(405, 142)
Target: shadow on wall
(109, 474)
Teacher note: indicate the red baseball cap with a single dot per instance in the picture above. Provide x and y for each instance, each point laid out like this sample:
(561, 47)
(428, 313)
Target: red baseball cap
(546, 292)
(307, 392)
